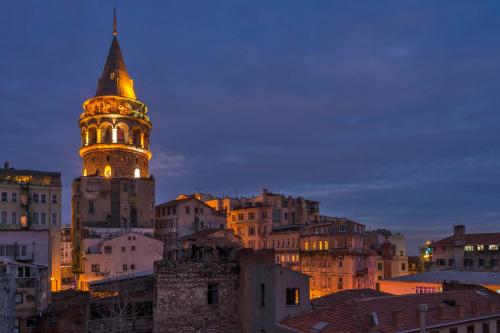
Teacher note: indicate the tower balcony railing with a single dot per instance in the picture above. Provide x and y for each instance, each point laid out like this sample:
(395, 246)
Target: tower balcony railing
(101, 146)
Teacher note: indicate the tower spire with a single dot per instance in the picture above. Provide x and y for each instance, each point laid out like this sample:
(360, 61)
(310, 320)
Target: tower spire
(115, 32)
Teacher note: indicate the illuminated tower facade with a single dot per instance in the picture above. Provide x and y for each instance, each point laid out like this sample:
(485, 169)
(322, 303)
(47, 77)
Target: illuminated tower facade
(115, 192)
(114, 124)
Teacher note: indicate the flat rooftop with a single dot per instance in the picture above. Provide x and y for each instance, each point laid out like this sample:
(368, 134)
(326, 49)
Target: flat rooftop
(479, 278)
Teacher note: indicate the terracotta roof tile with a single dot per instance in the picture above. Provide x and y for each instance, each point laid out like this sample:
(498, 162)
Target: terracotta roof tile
(473, 239)
(353, 315)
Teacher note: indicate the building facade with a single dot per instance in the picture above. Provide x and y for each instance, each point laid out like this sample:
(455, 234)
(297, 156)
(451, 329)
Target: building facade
(336, 256)
(184, 216)
(115, 191)
(469, 252)
(392, 259)
(30, 202)
(122, 255)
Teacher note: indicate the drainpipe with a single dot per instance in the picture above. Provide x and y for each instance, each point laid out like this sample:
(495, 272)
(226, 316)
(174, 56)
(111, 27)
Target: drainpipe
(422, 313)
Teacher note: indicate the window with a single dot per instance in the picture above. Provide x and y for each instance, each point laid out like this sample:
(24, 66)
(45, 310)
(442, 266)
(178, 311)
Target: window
(4, 218)
(486, 327)
(469, 248)
(132, 248)
(54, 219)
(95, 268)
(108, 249)
(212, 294)
(251, 244)
(13, 197)
(13, 218)
(36, 198)
(132, 267)
(441, 262)
(321, 245)
(470, 329)
(91, 207)
(379, 266)
(125, 267)
(233, 218)
(240, 231)
(186, 209)
(124, 249)
(340, 263)
(340, 284)
(19, 298)
(43, 198)
(493, 247)
(263, 295)
(342, 228)
(306, 246)
(240, 217)
(480, 247)
(107, 171)
(480, 262)
(264, 214)
(292, 296)
(43, 218)
(251, 216)
(251, 231)
(326, 245)
(403, 266)
(54, 198)
(451, 262)
(314, 246)
(453, 330)
(35, 218)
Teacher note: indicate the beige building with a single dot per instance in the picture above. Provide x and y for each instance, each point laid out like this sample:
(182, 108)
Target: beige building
(31, 201)
(392, 259)
(122, 255)
(184, 216)
(336, 256)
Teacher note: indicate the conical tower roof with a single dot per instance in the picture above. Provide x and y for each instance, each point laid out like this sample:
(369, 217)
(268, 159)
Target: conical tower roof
(114, 79)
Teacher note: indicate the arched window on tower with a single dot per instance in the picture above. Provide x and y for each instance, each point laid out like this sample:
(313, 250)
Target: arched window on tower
(107, 171)
(121, 135)
(108, 135)
(137, 137)
(85, 172)
(92, 136)
(137, 173)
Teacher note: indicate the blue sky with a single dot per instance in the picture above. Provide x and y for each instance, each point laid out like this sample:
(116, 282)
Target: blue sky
(387, 112)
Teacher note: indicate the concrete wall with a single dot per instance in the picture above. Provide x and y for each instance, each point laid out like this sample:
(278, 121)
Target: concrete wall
(403, 288)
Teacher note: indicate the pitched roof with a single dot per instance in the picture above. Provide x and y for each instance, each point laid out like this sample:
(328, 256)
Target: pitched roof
(341, 296)
(114, 79)
(359, 315)
(473, 239)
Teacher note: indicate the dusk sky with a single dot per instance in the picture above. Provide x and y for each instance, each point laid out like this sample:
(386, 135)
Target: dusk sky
(388, 112)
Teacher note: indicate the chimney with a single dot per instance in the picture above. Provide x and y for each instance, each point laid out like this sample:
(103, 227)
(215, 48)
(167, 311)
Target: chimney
(397, 319)
(460, 310)
(422, 316)
(459, 235)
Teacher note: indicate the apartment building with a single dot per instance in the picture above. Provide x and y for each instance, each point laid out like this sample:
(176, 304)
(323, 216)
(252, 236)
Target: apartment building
(183, 216)
(30, 203)
(121, 255)
(463, 251)
(334, 253)
(392, 259)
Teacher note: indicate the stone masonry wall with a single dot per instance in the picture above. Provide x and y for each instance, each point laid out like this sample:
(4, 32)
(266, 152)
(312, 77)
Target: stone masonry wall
(122, 163)
(181, 297)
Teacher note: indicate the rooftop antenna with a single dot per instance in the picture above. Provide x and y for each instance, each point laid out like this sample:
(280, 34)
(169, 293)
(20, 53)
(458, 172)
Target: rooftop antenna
(115, 32)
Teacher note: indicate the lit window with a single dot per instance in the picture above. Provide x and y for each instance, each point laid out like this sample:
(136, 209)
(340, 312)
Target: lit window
(292, 296)
(85, 172)
(114, 135)
(493, 247)
(321, 245)
(306, 246)
(137, 173)
(480, 247)
(107, 171)
(326, 245)
(469, 248)
(314, 246)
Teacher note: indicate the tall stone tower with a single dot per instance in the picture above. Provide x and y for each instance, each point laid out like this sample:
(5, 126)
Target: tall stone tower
(115, 193)
(114, 124)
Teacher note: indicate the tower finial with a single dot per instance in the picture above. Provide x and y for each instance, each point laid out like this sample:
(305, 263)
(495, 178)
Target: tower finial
(115, 32)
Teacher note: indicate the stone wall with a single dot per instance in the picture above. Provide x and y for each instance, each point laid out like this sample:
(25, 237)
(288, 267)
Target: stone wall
(182, 301)
(122, 162)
